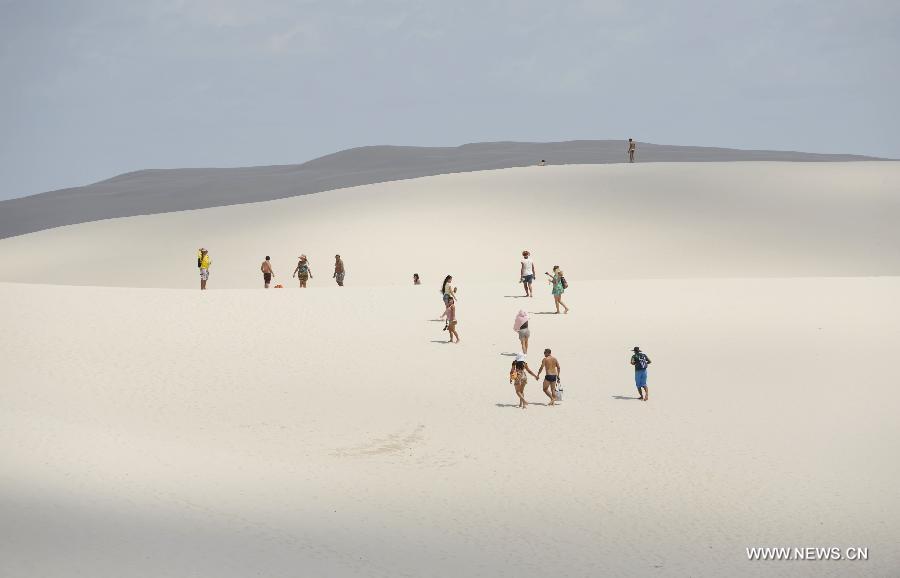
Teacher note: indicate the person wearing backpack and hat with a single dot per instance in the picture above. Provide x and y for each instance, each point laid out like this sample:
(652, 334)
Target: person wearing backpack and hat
(203, 262)
(559, 285)
(303, 273)
(640, 361)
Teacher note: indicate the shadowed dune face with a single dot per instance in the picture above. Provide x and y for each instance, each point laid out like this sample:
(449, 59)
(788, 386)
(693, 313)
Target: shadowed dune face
(150, 192)
(595, 221)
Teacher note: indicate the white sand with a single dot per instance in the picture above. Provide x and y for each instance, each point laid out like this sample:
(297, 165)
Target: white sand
(149, 432)
(598, 222)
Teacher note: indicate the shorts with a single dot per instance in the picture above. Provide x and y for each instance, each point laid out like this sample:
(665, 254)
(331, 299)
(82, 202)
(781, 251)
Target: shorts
(524, 333)
(204, 274)
(267, 277)
(303, 276)
(640, 377)
(528, 279)
(452, 325)
(550, 378)
(339, 277)
(446, 299)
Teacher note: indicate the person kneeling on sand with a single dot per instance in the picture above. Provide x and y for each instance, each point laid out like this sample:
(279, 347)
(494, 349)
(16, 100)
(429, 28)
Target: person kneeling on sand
(267, 272)
(302, 272)
(450, 314)
(551, 379)
(203, 262)
(640, 361)
(518, 376)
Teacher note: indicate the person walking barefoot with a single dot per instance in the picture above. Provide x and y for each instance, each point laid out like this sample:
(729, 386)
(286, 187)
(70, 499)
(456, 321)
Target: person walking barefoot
(559, 286)
(302, 272)
(450, 314)
(520, 326)
(551, 378)
(518, 376)
(203, 262)
(526, 273)
(640, 361)
(338, 270)
(267, 272)
(632, 146)
(448, 292)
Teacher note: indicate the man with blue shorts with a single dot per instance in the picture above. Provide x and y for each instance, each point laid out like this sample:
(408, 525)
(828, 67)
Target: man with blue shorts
(640, 361)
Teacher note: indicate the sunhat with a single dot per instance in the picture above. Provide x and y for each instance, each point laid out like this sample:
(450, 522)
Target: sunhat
(520, 357)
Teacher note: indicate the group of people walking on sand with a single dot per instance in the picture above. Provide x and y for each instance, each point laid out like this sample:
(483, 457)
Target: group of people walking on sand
(302, 272)
(557, 280)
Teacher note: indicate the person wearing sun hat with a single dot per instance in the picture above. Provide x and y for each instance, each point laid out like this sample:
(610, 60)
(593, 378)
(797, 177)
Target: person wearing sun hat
(303, 273)
(640, 361)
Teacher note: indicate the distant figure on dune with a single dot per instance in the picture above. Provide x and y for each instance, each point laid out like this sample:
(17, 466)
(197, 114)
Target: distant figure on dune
(302, 272)
(632, 146)
(203, 262)
(450, 314)
(518, 376)
(338, 270)
(416, 279)
(267, 272)
(551, 379)
(542, 163)
(559, 284)
(526, 273)
(520, 326)
(448, 292)
(640, 361)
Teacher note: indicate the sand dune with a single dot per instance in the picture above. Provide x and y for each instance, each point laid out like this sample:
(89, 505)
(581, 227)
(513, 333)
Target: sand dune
(596, 221)
(235, 433)
(151, 429)
(161, 191)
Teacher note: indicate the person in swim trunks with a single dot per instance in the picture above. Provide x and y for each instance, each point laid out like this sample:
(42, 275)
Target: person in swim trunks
(551, 379)
(303, 272)
(267, 272)
(518, 376)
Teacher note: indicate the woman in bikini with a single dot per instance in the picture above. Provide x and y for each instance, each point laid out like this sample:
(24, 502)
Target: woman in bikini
(518, 376)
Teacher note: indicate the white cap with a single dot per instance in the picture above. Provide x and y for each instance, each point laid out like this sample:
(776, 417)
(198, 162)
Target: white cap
(520, 357)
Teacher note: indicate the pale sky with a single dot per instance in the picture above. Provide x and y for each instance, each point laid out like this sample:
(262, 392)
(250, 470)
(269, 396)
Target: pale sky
(94, 88)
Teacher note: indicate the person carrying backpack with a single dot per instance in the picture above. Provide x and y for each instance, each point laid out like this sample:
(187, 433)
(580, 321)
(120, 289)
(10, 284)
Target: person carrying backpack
(559, 285)
(203, 263)
(640, 361)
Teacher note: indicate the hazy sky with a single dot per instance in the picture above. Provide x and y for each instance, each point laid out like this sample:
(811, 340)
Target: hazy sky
(93, 88)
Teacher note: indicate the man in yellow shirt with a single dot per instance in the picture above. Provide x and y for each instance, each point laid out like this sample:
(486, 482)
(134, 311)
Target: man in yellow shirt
(203, 261)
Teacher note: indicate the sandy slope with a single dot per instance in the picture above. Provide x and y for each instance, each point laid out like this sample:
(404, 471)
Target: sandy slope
(154, 191)
(151, 432)
(596, 221)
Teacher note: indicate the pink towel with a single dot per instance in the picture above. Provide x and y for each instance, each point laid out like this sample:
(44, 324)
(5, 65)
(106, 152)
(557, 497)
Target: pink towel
(521, 319)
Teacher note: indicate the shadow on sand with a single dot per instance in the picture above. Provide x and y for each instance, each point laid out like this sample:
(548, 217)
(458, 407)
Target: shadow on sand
(439, 341)
(514, 296)
(624, 397)
(509, 354)
(544, 313)
(517, 407)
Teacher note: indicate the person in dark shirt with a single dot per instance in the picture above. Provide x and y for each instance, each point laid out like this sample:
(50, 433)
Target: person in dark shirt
(640, 361)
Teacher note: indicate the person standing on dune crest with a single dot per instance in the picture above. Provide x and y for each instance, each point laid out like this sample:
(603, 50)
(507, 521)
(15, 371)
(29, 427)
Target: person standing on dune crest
(302, 272)
(267, 272)
(203, 262)
(338, 270)
(632, 146)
